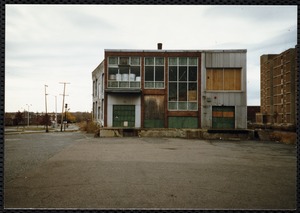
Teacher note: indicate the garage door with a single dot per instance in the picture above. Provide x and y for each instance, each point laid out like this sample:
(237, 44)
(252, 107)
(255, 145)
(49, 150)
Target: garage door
(223, 117)
(123, 115)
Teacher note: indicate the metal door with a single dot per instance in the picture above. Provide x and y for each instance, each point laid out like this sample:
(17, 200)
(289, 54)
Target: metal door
(223, 117)
(123, 115)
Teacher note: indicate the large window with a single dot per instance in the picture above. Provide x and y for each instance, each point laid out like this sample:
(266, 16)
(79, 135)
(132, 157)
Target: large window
(154, 73)
(223, 79)
(124, 72)
(183, 83)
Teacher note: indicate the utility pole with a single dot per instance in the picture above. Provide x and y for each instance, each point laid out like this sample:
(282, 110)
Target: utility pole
(63, 103)
(46, 116)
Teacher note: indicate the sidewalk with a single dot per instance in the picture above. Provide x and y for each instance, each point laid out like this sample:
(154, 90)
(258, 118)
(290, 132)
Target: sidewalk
(37, 129)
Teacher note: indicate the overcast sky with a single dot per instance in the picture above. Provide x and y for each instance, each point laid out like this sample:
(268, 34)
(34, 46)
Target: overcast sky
(48, 44)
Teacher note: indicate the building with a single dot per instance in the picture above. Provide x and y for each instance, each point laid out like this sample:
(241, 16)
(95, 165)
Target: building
(171, 89)
(251, 113)
(98, 93)
(278, 89)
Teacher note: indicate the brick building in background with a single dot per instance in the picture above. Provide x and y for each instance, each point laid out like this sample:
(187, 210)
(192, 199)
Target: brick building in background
(278, 89)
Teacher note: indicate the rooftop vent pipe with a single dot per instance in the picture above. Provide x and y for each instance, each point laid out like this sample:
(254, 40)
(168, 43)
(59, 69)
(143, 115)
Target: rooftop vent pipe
(159, 46)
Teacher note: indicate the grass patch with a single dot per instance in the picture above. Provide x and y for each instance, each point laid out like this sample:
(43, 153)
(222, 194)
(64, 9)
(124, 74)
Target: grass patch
(88, 127)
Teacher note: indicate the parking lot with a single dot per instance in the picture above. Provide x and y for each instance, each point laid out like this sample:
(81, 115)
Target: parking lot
(76, 170)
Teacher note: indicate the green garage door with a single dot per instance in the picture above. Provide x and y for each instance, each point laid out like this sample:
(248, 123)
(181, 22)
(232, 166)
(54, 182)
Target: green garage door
(123, 114)
(223, 117)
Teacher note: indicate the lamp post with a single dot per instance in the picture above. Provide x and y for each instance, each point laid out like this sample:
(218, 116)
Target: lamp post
(46, 116)
(28, 114)
(65, 123)
(55, 111)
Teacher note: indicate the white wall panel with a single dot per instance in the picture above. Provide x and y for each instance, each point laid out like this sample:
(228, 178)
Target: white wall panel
(115, 99)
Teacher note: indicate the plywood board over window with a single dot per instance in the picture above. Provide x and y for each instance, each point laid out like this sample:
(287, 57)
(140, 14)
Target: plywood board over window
(154, 111)
(223, 79)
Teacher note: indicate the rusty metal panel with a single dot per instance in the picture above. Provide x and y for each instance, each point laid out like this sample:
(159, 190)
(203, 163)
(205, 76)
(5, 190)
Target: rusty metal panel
(215, 60)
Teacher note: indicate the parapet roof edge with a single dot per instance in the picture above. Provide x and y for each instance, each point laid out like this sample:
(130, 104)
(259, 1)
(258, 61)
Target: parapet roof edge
(139, 50)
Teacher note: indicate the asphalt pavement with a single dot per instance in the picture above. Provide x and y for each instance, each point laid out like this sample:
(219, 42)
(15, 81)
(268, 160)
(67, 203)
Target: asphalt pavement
(76, 170)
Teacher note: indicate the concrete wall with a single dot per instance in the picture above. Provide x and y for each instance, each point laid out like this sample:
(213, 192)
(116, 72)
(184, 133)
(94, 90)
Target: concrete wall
(224, 98)
(123, 99)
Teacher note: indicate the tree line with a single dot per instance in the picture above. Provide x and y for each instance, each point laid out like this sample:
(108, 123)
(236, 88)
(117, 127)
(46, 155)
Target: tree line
(21, 118)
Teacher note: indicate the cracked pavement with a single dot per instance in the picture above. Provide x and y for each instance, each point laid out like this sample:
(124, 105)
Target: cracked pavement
(75, 170)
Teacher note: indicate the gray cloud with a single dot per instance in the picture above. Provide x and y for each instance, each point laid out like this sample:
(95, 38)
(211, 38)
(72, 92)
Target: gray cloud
(53, 43)
(254, 14)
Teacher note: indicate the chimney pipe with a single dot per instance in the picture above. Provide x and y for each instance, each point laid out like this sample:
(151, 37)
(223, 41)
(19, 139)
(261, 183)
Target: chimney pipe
(159, 46)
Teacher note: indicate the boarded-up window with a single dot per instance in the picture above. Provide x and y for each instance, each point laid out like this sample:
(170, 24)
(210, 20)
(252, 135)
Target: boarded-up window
(223, 79)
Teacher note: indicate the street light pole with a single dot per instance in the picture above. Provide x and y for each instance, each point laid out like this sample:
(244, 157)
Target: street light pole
(65, 123)
(28, 114)
(55, 111)
(46, 116)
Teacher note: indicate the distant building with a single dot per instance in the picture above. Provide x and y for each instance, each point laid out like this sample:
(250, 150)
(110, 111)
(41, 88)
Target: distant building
(171, 89)
(251, 113)
(278, 89)
(98, 93)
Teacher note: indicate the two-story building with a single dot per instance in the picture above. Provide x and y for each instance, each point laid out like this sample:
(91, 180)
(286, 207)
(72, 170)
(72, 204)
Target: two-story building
(171, 89)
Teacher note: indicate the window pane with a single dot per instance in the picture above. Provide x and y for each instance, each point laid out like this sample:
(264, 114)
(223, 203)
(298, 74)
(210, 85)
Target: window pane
(159, 85)
(124, 60)
(182, 61)
(149, 73)
(113, 60)
(173, 105)
(149, 61)
(192, 86)
(192, 93)
(193, 61)
(182, 105)
(192, 106)
(135, 61)
(159, 61)
(149, 84)
(182, 91)
(112, 71)
(159, 74)
(124, 70)
(172, 61)
(192, 73)
(182, 73)
(172, 73)
(135, 70)
(172, 91)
